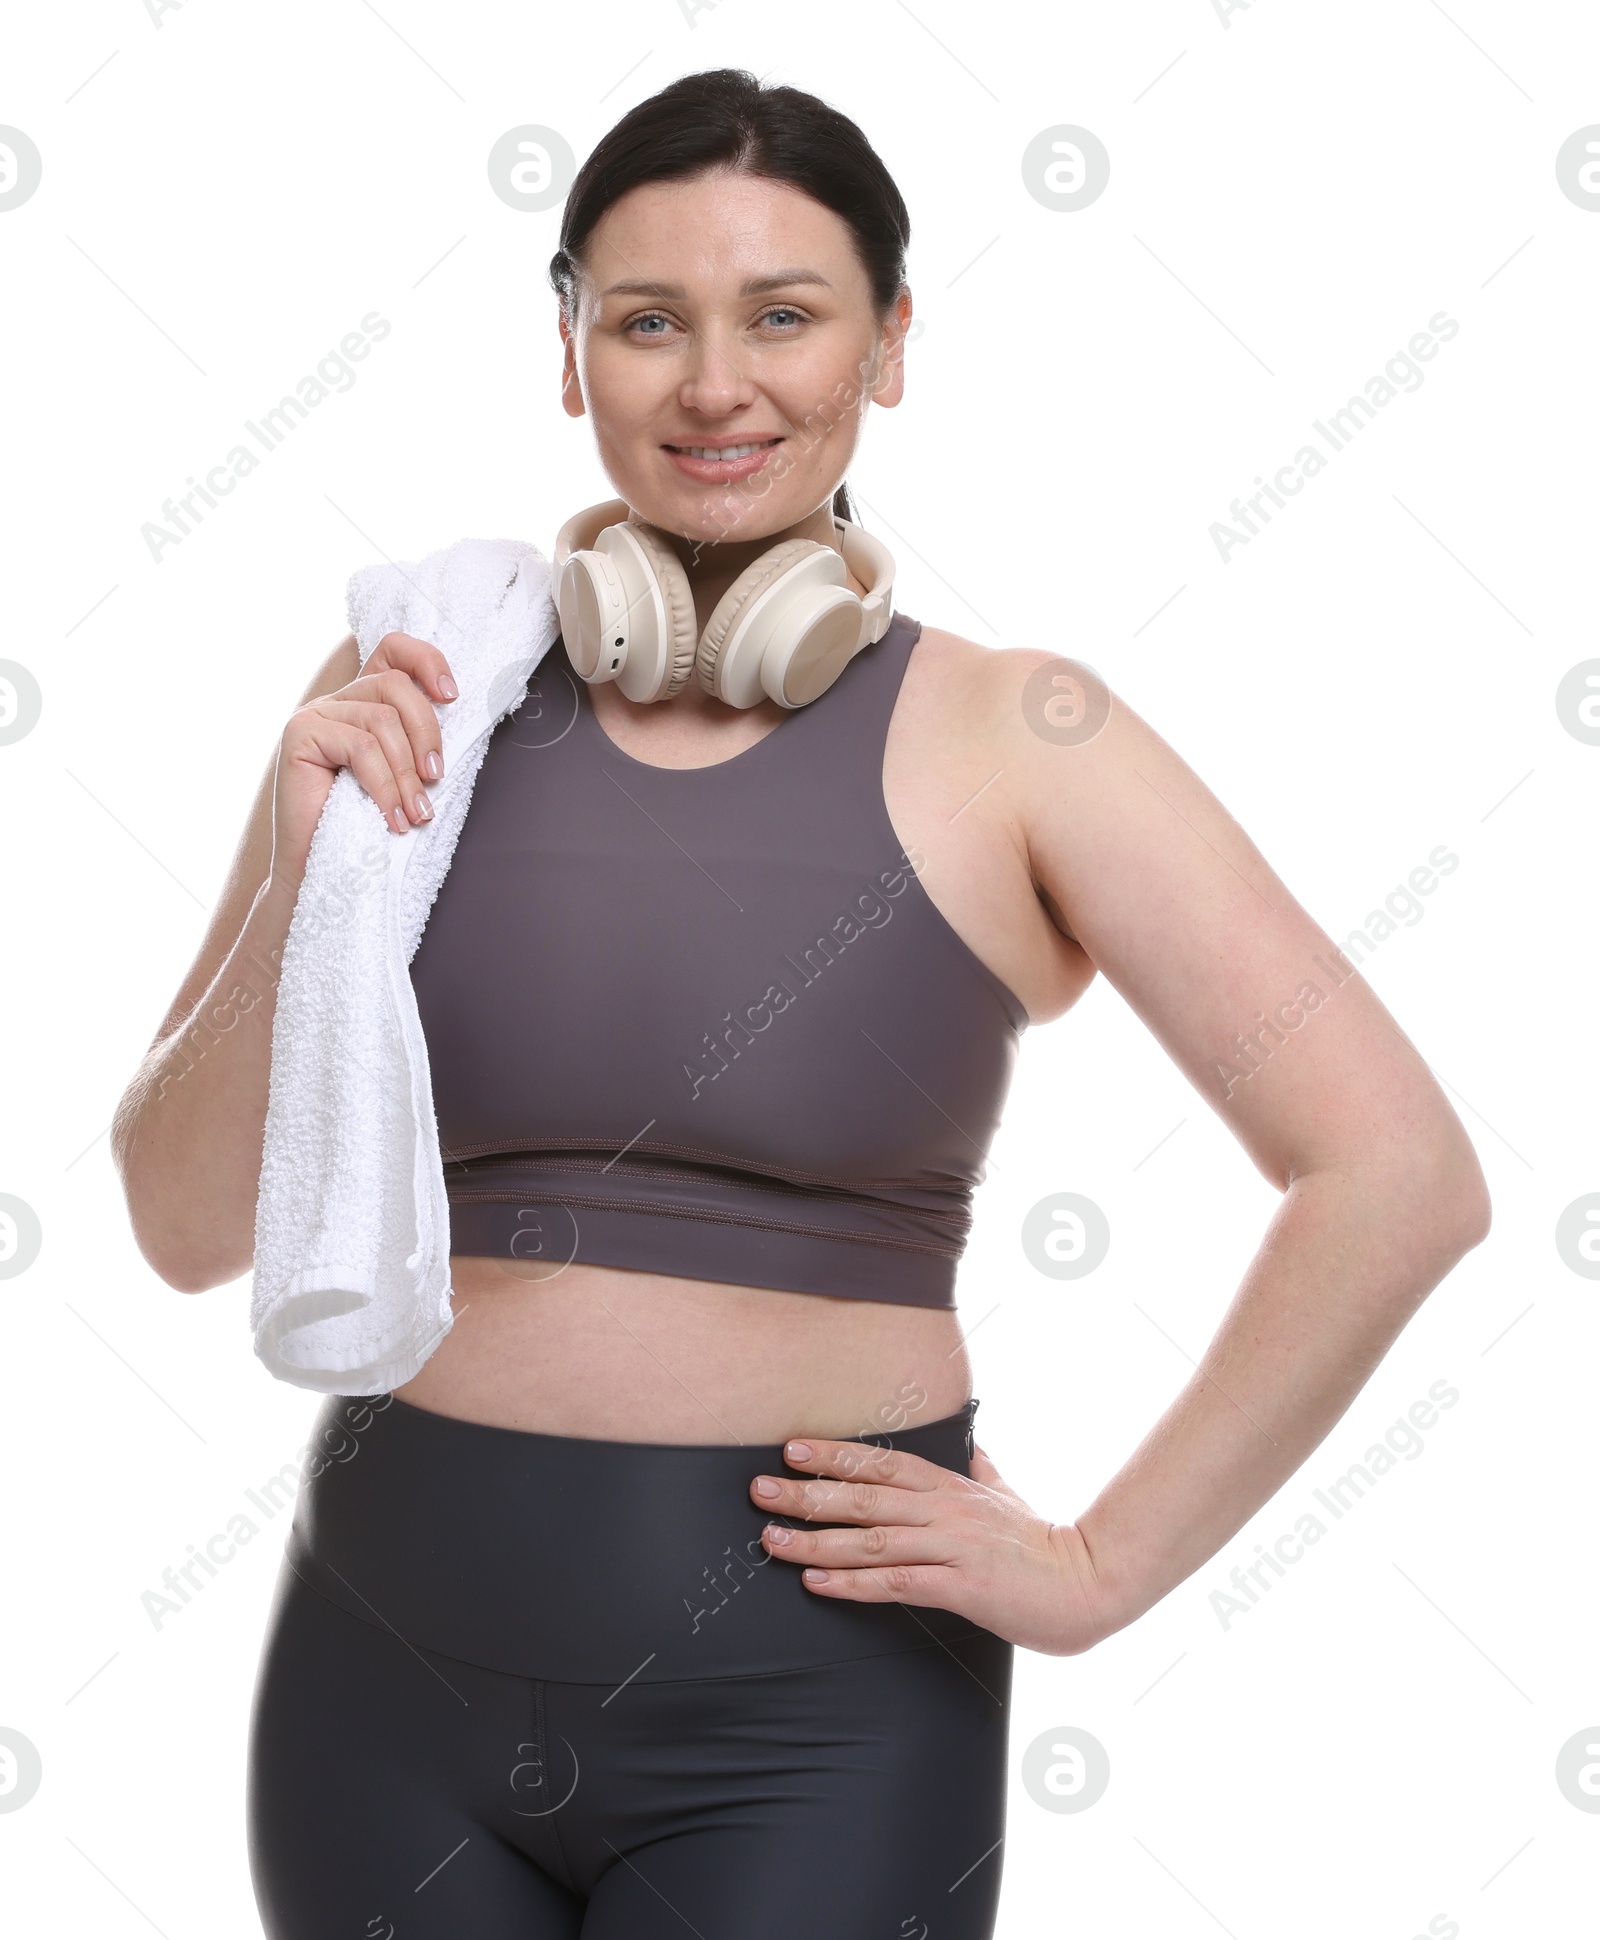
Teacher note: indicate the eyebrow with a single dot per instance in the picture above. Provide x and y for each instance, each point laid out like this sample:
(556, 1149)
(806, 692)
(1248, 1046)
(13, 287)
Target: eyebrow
(757, 286)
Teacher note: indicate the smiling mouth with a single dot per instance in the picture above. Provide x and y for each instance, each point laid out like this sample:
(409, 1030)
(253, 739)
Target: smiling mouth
(745, 449)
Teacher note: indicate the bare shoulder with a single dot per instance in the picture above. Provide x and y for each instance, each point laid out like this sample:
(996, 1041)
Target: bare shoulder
(950, 663)
(951, 791)
(990, 691)
(1056, 729)
(958, 705)
(1022, 715)
(1175, 905)
(1083, 783)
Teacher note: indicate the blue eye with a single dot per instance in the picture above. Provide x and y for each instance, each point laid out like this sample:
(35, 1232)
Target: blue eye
(655, 316)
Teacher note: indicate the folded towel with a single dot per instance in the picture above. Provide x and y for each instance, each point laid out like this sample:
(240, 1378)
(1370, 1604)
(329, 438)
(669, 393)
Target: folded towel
(352, 1263)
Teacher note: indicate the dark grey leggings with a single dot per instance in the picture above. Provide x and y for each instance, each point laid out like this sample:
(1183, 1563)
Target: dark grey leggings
(402, 1792)
(398, 1793)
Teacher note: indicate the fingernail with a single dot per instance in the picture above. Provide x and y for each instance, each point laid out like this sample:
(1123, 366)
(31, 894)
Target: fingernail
(776, 1533)
(798, 1451)
(397, 820)
(423, 809)
(815, 1576)
(765, 1485)
(447, 687)
(432, 766)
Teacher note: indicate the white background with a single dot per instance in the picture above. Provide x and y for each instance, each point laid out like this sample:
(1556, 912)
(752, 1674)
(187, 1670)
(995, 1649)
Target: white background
(1293, 194)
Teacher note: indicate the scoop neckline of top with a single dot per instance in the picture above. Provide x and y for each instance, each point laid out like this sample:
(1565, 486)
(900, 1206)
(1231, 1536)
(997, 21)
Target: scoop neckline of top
(661, 767)
(701, 767)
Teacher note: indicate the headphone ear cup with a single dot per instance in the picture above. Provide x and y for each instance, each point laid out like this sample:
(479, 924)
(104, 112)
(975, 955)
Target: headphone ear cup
(679, 602)
(753, 581)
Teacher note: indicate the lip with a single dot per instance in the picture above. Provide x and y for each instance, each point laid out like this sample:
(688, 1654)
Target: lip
(718, 470)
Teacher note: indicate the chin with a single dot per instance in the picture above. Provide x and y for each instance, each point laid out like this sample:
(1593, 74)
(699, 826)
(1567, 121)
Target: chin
(717, 515)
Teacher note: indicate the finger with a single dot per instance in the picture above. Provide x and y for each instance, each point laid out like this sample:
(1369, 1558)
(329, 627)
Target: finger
(332, 742)
(879, 1546)
(821, 1499)
(328, 742)
(896, 1467)
(932, 1586)
(416, 712)
(421, 659)
(385, 724)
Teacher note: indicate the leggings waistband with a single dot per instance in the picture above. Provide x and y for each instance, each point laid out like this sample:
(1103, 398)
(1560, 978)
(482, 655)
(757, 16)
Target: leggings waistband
(581, 1561)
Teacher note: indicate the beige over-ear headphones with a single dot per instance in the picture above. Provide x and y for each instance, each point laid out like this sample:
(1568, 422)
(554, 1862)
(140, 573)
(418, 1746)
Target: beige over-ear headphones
(785, 629)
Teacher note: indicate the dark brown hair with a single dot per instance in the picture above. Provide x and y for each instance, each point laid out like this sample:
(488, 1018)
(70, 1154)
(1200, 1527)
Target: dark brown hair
(725, 118)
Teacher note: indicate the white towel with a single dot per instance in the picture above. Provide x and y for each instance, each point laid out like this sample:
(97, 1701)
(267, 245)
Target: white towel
(352, 1264)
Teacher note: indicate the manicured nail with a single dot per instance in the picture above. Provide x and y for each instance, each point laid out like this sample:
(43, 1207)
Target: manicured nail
(397, 821)
(447, 687)
(765, 1485)
(798, 1451)
(423, 809)
(815, 1576)
(776, 1533)
(432, 766)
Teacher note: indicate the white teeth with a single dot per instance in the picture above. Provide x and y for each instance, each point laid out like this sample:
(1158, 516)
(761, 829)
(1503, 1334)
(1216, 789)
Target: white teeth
(724, 451)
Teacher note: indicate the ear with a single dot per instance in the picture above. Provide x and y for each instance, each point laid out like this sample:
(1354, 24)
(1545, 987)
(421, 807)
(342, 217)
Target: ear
(889, 375)
(571, 390)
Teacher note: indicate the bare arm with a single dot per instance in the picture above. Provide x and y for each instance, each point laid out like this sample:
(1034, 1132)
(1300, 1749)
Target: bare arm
(188, 1131)
(1382, 1191)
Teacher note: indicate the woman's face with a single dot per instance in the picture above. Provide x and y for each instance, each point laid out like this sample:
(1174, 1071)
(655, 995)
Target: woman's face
(725, 310)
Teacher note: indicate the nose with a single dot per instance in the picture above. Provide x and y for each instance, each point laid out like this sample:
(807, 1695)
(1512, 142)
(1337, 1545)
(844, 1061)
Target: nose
(714, 385)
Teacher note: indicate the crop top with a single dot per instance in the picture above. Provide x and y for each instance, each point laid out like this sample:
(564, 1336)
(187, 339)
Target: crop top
(706, 1021)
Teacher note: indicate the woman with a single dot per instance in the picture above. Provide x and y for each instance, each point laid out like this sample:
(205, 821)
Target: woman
(543, 1658)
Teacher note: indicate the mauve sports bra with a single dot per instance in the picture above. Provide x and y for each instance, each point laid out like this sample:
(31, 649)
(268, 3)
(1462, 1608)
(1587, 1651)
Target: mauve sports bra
(706, 1021)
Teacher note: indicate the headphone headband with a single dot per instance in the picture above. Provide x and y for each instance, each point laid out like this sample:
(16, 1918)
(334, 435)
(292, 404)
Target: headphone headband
(867, 557)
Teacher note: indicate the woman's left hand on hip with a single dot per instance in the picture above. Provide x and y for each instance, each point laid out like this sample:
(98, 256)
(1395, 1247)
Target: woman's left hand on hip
(923, 1535)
